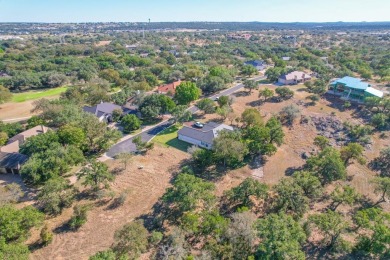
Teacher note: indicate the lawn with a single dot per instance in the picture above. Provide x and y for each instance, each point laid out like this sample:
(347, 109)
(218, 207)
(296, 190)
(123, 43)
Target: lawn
(31, 95)
(168, 137)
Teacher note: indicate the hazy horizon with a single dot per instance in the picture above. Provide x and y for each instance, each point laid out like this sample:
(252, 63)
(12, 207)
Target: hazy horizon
(277, 11)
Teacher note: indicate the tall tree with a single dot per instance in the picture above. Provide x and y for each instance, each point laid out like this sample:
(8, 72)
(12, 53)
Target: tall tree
(328, 165)
(281, 237)
(346, 195)
(250, 85)
(131, 240)
(56, 195)
(188, 193)
(5, 94)
(96, 175)
(331, 225)
(382, 187)
(352, 151)
(266, 93)
(290, 198)
(243, 194)
(251, 117)
(187, 92)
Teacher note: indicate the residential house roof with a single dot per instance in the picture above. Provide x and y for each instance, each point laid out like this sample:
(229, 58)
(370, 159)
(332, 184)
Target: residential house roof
(286, 58)
(171, 87)
(352, 82)
(374, 92)
(255, 63)
(9, 154)
(12, 160)
(205, 134)
(295, 75)
(17, 140)
(102, 108)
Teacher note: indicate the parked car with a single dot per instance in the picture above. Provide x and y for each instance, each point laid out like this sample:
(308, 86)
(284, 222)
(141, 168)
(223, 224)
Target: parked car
(198, 125)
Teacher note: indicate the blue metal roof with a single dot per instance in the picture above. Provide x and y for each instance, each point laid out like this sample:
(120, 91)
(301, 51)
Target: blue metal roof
(352, 83)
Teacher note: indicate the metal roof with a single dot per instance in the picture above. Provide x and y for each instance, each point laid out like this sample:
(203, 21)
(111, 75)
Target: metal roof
(352, 82)
(374, 92)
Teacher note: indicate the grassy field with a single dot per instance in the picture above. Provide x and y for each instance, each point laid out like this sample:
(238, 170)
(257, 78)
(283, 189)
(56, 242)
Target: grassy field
(168, 137)
(31, 95)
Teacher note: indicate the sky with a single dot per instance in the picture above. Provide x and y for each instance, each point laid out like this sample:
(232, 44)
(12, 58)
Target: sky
(194, 10)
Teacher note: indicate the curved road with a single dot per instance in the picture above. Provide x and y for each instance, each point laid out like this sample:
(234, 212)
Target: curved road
(127, 146)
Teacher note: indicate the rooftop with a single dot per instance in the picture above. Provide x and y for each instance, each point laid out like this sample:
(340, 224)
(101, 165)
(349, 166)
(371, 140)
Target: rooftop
(295, 75)
(205, 134)
(102, 108)
(352, 82)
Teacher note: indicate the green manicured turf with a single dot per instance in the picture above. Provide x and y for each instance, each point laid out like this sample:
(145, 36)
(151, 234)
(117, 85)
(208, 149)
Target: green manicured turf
(168, 137)
(31, 95)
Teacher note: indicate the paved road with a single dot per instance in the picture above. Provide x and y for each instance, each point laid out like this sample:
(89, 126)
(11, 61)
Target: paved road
(128, 146)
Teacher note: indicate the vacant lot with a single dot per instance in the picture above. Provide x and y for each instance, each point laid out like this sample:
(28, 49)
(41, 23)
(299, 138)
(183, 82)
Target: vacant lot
(22, 103)
(145, 186)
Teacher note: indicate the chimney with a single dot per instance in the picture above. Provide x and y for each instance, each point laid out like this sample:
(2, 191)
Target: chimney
(43, 129)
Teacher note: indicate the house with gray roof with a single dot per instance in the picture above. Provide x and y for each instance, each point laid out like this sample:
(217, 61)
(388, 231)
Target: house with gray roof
(204, 136)
(258, 64)
(103, 111)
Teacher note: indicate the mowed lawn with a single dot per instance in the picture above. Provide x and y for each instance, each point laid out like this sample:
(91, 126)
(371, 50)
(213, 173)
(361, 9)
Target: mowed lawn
(36, 94)
(168, 137)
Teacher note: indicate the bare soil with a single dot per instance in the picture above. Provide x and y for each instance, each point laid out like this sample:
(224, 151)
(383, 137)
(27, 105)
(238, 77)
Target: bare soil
(16, 110)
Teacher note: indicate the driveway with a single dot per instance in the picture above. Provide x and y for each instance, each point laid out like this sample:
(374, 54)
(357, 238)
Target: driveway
(127, 146)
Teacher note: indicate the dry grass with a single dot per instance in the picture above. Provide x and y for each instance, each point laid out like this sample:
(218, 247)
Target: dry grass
(145, 187)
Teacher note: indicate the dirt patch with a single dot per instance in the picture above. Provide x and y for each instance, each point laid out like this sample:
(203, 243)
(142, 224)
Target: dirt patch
(16, 110)
(145, 187)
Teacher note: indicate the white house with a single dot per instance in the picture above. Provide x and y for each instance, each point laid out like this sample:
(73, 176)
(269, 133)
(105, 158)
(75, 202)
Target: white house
(202, 137)
(293, 78)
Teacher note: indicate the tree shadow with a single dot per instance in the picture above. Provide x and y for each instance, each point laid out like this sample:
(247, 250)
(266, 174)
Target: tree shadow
(291, 170)
(255, 103)
(242, 93)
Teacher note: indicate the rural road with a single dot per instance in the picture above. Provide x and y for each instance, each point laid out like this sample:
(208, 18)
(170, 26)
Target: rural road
(127, 146)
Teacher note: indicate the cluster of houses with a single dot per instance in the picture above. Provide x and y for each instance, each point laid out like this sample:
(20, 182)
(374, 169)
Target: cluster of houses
(10, 157)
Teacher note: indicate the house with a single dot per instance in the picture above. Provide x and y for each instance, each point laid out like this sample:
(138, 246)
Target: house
(293, 78)
(10, 158)
(258, 64)
(204, 136)
(103, 111)
(286, 58)
(169, 88)
(350, 88)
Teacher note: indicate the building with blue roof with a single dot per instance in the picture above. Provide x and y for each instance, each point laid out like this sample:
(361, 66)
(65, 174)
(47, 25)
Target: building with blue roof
(350, 88)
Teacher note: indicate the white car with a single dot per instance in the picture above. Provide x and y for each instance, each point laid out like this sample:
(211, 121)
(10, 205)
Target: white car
(198, 124)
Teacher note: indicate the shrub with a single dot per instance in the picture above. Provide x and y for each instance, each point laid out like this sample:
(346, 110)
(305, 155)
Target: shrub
(79, 217)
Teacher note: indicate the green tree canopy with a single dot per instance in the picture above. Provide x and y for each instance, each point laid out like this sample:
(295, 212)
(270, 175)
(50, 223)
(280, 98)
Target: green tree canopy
(187, 92)
(281, 237)
(188, 193)
(328, 165)
(242, 194)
